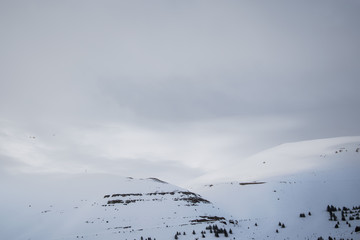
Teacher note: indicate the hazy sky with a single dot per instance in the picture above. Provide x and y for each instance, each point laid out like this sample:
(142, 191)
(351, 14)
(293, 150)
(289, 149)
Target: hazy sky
(172, 89)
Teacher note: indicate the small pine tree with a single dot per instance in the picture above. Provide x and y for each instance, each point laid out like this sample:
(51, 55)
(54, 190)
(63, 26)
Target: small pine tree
(277, 231)
(176, 236)
(230, 231)
(336, 226)
(283, 225)
(309, 213)
(216, 234)
(193, 232)
(279, 224)
(225, 233)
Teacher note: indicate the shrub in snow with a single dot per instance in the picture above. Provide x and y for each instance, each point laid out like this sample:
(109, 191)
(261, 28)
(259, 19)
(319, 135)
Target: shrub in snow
(302, 215)
(357, 229)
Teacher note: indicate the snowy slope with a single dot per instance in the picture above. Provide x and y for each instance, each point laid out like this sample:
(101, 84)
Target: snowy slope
(292, 179)
(274, 186)
(100, 207)
(291, 158)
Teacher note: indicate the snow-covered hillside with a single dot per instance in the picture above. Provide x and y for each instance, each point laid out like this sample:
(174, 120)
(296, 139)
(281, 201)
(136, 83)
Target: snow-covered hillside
(101, 207)
(281, 193)
(279, 184)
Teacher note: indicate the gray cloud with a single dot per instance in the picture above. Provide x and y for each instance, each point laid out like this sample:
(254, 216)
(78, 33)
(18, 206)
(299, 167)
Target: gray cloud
(190, 82)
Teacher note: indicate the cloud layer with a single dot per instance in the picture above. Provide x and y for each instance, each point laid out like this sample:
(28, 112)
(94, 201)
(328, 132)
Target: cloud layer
(127, 86)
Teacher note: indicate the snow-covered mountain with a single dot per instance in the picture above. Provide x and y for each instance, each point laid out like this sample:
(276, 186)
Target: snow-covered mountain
(279, 184)
(281, 193)
(102, 207)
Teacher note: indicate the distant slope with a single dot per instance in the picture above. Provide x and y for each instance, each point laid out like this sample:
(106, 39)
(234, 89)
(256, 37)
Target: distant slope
(291, 159)
(296, 178)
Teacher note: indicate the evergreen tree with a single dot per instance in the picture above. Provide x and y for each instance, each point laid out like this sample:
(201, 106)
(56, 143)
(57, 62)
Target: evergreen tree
(328, 208)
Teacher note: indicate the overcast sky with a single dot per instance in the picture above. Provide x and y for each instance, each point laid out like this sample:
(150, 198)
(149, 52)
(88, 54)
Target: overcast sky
(171, 89)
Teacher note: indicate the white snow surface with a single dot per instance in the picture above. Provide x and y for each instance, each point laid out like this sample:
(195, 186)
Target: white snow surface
(77, 206)
(291, 179)
(291, 159)
(273, 186)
